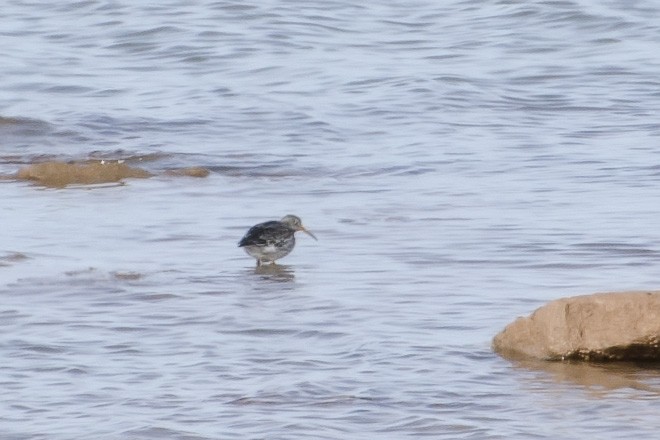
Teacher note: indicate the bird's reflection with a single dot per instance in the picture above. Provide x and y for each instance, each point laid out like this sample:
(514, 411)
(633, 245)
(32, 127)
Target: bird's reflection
(275, 272)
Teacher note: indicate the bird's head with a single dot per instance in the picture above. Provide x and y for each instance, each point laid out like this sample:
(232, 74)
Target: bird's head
(295, 223)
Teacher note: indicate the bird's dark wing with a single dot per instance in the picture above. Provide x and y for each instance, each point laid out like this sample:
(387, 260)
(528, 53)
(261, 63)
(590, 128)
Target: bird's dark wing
(266, 233)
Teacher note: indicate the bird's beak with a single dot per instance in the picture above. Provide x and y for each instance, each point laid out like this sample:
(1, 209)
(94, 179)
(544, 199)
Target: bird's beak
(302, 228)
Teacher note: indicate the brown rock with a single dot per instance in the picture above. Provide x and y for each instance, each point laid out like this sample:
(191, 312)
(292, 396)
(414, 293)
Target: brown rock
(60, 174)
(189, 171)
(600, 327)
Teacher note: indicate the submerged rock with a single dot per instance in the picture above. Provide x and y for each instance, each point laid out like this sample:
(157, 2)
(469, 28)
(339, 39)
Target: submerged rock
(189, 171)
(60, 174)
(622, 326)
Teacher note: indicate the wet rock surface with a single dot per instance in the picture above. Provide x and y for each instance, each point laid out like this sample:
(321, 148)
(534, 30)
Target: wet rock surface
(619, 326)
(58, 174)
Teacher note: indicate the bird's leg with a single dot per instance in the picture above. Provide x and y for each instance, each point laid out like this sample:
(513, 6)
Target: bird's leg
(259, 262)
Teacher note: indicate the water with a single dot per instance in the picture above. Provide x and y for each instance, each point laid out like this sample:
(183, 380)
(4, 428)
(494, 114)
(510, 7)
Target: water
(461, 162)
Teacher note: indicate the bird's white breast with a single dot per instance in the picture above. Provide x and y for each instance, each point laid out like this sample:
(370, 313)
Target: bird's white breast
(270, 249)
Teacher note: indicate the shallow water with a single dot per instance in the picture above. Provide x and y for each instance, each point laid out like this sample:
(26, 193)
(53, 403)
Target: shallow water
(461, 163)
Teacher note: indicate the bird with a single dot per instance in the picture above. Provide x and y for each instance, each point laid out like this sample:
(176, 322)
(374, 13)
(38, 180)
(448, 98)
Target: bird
(272, 240)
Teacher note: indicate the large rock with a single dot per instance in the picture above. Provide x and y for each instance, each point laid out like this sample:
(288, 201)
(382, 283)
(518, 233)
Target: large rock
(600, 327)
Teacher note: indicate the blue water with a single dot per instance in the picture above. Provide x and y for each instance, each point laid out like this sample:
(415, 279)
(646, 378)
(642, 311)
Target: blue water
(461, 163)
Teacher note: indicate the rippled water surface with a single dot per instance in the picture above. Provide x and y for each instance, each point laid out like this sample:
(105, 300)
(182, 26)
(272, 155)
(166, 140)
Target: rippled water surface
(461, 163)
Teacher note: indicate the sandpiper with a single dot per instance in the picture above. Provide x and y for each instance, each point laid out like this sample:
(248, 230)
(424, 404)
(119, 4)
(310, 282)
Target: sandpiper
(272, 240)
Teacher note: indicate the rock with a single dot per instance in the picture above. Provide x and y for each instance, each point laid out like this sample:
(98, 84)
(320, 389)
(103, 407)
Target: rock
(60, 174)
(623, 326)
(189, 171)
